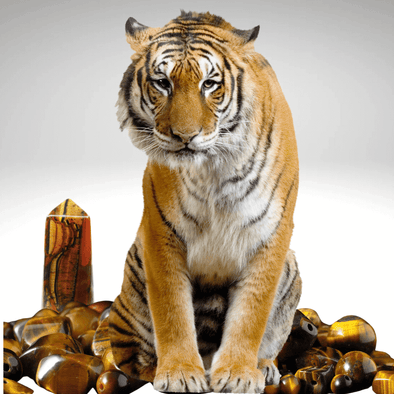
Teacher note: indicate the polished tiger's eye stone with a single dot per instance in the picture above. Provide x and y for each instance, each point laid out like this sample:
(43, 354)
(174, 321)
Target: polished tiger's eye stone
(68, 256)
(318, 357)
(18, 327)
(116, 382)
(69, 373)
(359, 366)
(13, 345)
(316, 380)
(12, 366)
(302, 336)
(38, 327)
(312, 316)
(71, 305)
(341, 384)
(61, 341)
(104, 314)
(289, 384)
(352, 333)
(100, 306)
(272, 389)
(8, 331)
(101, 341)
(45, 313)
(86, 341)
(383, 382)
(108, 360)
(322, 334)
(82, 319)
(12, 387)
(383, 361)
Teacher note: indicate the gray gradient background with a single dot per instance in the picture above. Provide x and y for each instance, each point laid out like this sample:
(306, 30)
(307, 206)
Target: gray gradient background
(62, 62)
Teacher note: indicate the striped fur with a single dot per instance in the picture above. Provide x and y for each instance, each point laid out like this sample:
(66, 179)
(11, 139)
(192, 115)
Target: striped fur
(210, 284)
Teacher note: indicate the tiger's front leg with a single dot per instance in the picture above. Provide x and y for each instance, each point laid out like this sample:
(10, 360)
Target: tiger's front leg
(238, 366)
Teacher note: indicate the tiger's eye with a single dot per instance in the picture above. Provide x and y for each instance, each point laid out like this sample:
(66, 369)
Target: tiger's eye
(12, 366)
(209, 83)
(383, 382)
(116, 382)
(359, 367)
(100, 306)
(82, 319)
(341, 384)
(312, 315)
(289, 384)
(12, 387)
(164, 83)
(101, 341)
(352, 333)
(316, 380)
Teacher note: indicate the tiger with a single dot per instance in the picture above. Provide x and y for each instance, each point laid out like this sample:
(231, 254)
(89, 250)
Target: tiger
(210, 284)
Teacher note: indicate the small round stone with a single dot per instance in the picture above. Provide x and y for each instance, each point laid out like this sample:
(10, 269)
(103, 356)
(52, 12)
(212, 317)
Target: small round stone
(341, 384)
(116, 382)
(289, 384)
(12, 367)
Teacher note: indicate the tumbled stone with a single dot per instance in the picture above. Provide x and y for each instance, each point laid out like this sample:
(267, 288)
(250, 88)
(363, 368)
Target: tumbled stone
(101, 341)
(383, 382)
(100, 306)
(116, 382)
(302, 336)
(45, 313)
(12, 366)
(316, 380)
(359, 366)
(272, 389)
(86, 341)
(69, 373)
(108, 360)
(8, 331)
(18, 327)
(352, 333)
(67, 266)
(289, 384)
(383, 361)
(322, 334)
(12, 387)
(312, 316)
(71, 305)
(82, 319)
(341, 384)
(318, 357)
(59, 340)
(13, 345)
(104, 314)
(38, 327)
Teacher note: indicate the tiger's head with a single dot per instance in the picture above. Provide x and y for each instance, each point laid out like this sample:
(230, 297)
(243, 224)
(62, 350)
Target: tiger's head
(186, 98)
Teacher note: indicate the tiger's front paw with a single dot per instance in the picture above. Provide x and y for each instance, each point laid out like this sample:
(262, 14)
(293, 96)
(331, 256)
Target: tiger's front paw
(181, 378)
(237, 379)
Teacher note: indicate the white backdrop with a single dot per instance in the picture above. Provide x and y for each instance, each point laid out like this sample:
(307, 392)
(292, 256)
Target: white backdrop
(62, 63)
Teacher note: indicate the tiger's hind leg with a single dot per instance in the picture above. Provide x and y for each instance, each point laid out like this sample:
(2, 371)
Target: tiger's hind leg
(130, 323)
(280, 320)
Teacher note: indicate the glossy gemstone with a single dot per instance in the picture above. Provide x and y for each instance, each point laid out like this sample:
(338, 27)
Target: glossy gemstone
(383, 361)
(302, 336)
(318, 357)
(341, 384)
(13, 345)
(289, 384)
(38, 327)
(67, 266)
(116, 382)
(101, 341)
(100, 306)
(12, 387)
(272, 389)
(316, 380)
(86, 341)
(12, 367)
(8, 331)
(383, 382)
(322, 334)
(352, 333)
(312, 316)
(359, 366)
(18, 327)
(69, 373)
(45, 313)
(82, 319)
(108, 360)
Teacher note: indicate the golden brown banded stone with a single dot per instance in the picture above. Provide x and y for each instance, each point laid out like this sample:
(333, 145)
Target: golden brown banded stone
(69, 373)
(289, 384)
(116, 382)
(318, 357)
(316, 380)
(59, 340)
(12, 387)
(13, 345)
(12, 367)
(272, 389)
(359, 366)
(8, 331)
(108, 360)
(302, 336)
(82, 319)
(86, 341)
(45, 313)
(383, 382)
(67, 266)
(341, 384)
(38, 327)
(382, 360)
(100, 306)
(322, 334)
(312, 315)
(18, 327)
(101, 341)
(352, 333)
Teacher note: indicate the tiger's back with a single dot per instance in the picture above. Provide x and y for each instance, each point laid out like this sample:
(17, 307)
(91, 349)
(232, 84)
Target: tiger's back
(219, 194)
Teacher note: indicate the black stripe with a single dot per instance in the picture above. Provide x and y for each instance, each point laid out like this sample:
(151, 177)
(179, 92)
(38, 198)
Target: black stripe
(140, 293)
(195, 195)
(163, 218)
(135, 272)
(137, 257)
(120, 329)
(188, 215)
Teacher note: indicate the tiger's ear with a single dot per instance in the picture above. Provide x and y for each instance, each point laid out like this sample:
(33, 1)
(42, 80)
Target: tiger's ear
(137, 34)
(247, 35)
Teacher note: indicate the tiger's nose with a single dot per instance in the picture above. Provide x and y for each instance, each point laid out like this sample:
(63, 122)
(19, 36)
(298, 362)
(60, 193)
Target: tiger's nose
(184, 136)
